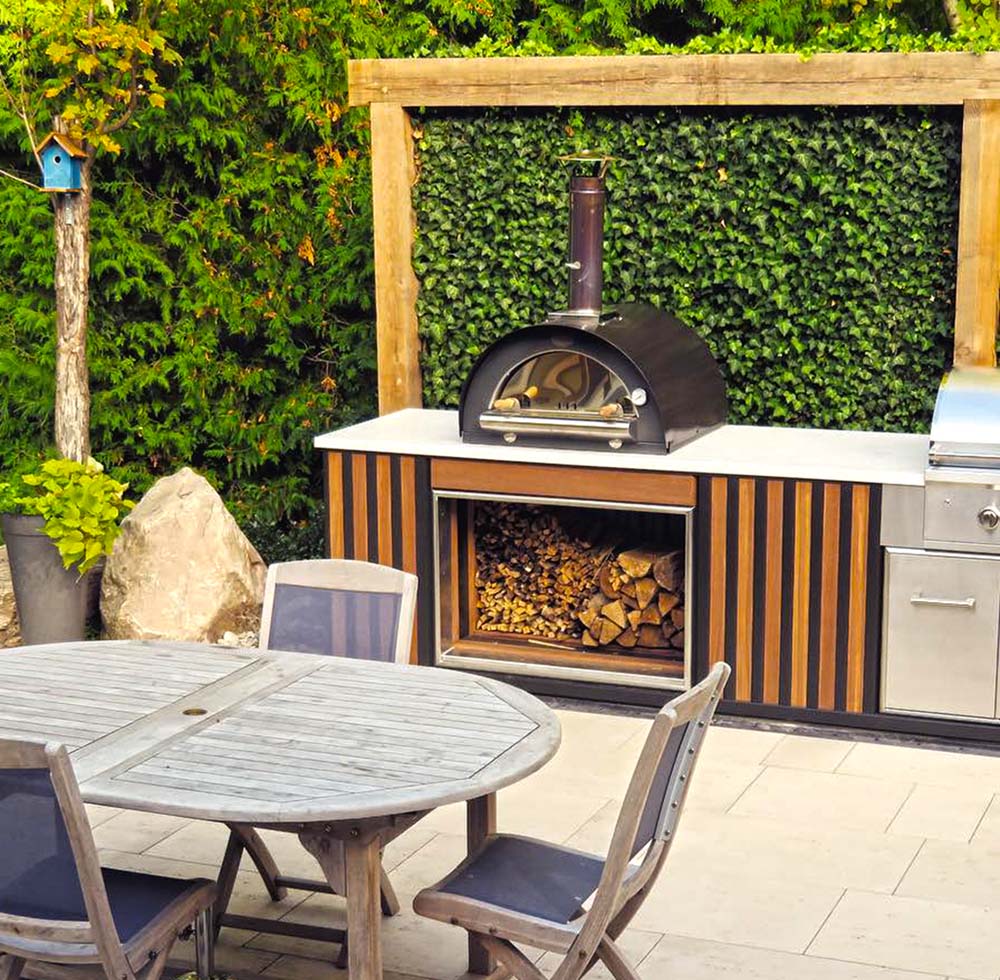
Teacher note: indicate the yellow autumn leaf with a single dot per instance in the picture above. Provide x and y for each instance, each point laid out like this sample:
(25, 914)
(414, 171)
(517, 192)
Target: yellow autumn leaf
(58, 53)
(144, 46)
(157, 100)
(87, 63)
(306, 250)
(109, 6)
(51, 93)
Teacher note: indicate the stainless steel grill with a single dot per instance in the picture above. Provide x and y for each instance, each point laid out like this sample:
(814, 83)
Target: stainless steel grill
(962, 481)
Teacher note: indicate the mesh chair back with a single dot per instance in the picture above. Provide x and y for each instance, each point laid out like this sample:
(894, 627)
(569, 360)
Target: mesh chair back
(38, 872)
(688, 717)
(335, 622)
(649, 821)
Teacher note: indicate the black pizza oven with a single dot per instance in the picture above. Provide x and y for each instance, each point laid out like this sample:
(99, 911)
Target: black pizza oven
(630, 378)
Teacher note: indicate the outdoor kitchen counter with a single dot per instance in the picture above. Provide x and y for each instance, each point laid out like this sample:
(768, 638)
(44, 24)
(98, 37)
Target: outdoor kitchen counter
(732, 450)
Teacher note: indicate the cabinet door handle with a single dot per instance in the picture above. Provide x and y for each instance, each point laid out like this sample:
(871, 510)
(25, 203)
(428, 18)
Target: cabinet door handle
(926, 600)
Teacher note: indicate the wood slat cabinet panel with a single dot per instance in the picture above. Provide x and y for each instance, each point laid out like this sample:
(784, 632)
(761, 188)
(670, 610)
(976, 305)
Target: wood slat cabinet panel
(379, 510)
(788, 590)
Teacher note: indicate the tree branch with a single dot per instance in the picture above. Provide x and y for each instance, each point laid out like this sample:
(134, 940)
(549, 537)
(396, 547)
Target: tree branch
(133, 101)
(20, 180)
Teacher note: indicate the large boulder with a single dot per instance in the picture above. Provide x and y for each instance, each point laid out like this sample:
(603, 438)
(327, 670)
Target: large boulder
(9, 634)
(182, 569)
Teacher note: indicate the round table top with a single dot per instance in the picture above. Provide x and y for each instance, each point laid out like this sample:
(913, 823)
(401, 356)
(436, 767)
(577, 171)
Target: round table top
(250, 736)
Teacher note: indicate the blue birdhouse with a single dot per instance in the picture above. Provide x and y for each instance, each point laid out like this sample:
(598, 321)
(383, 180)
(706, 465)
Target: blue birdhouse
(62, 164)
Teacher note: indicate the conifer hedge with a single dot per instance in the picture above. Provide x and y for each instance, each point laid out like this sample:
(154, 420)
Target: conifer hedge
(814, 250)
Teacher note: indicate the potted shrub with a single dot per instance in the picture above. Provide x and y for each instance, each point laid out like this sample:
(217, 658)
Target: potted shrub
(59, 522)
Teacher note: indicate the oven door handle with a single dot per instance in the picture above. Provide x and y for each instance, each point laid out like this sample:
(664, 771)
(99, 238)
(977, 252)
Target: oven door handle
(926, 600)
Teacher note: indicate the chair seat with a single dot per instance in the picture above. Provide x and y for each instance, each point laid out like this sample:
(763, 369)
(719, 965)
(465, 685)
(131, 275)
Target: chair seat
(136, 899)
(528, 876)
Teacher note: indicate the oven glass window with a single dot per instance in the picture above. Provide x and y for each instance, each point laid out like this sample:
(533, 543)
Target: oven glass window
(564, 382)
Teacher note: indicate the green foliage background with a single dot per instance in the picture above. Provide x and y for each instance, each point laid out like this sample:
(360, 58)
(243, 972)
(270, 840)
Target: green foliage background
(813, 250)
(231, 304)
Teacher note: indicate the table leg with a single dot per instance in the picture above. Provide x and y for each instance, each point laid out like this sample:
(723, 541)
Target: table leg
(481, 821)
(364, 909)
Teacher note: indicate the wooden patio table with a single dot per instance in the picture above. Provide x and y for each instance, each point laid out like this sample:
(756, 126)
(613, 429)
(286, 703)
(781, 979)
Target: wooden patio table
(332, 750)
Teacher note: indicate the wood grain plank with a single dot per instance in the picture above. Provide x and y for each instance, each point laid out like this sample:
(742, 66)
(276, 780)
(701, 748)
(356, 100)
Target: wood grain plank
(624, 486)
(976, 290)
(800, 594)
(859, 585)
(772, 592)
(336, 503)
(359, 505)
(744, 591)
(884, 78)
(408, 524)
(717, 573)
(393, 171)
(408, 512)
(827, 689)
(383, 491)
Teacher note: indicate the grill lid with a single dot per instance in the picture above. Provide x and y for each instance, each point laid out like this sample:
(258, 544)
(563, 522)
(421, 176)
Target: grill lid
(966, 426)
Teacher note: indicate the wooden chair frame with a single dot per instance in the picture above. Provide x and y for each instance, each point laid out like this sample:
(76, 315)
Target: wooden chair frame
(358, 576)
(345, 573)
(95, 942)
(624, 885)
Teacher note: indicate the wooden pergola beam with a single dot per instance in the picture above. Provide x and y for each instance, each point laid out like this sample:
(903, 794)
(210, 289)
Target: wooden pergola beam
(832, 79)
(948, 78)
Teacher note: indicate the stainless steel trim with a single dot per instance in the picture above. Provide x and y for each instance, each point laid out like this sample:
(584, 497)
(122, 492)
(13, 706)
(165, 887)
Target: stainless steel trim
(962, 457)
(902, 516)
(969, 602)
(550, 425)
(957, 474)
(443, 658)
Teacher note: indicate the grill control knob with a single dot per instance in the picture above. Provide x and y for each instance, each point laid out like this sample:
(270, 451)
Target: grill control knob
(989, 518)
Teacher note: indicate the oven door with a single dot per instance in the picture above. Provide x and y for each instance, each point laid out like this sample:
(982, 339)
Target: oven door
(942, 618)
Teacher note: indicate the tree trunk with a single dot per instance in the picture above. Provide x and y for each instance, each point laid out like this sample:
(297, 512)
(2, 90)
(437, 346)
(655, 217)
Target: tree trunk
(953, 14)
(72, 284)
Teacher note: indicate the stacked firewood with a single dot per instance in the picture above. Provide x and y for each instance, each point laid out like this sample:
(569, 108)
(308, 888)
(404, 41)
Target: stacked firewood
(531, 571)
(639, 602)
(543, 576)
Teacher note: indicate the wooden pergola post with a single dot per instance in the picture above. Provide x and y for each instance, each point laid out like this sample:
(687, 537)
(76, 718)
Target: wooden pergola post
(890, 78)
(978, 288)
(395, 284)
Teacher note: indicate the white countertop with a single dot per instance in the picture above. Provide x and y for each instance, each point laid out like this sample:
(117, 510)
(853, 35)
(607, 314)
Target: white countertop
(732, 450)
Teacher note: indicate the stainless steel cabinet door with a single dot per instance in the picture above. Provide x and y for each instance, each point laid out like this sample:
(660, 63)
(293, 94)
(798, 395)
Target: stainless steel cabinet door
(942, 620)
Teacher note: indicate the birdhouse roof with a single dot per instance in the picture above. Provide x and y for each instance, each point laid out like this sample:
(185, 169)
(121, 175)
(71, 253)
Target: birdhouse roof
(73, 149)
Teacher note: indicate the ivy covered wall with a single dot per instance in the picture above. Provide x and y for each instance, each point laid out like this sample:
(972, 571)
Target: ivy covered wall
(814, 250)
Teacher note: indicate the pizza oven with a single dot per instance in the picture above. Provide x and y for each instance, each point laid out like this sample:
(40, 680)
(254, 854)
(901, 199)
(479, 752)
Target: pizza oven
(627, 379)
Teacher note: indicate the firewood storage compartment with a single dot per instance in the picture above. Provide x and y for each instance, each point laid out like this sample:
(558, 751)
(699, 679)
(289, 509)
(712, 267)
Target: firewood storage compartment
(563, 587)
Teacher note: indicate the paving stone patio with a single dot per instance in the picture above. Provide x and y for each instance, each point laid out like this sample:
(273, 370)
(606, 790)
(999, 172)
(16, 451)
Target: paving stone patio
(800, 857)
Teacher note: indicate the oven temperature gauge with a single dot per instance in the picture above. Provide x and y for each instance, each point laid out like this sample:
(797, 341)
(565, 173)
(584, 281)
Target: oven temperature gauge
(989, 518)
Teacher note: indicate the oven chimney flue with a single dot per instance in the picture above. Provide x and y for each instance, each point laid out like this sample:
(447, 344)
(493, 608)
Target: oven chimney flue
(586, 243)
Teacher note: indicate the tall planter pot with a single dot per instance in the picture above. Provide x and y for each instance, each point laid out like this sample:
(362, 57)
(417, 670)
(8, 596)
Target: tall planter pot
(51, 600)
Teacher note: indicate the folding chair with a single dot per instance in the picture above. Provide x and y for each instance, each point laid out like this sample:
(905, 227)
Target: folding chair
(59, 906)
(521, 890)
(335, 608)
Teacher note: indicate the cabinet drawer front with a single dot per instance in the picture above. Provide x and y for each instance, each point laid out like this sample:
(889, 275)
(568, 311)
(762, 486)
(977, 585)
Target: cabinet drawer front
(941, 638)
